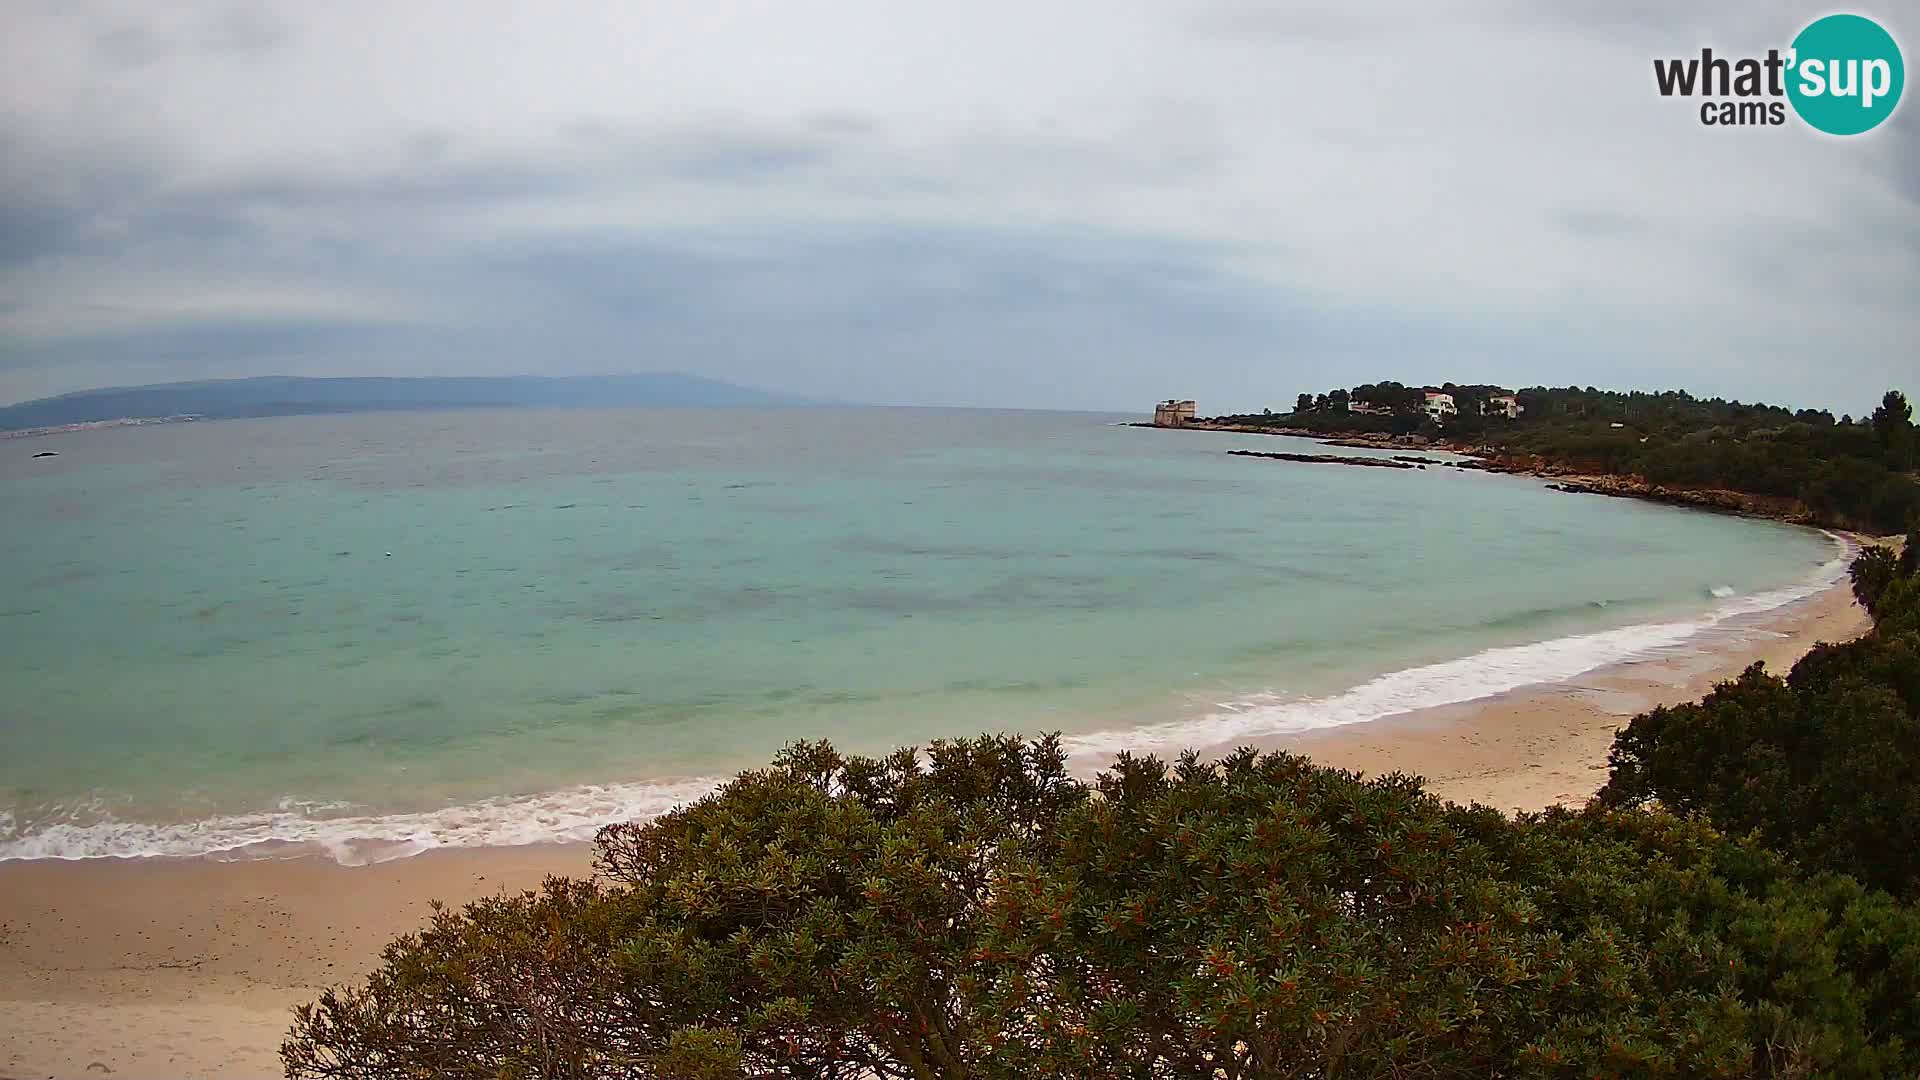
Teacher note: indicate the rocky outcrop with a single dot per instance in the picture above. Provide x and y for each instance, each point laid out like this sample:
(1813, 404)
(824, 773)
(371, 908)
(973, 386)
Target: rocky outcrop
(1331, 459)
(1568, 478)
(1718, 499)
(1376, 442)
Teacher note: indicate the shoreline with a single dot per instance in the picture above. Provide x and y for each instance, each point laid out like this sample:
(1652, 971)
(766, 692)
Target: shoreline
(572, 814)
(1562, 477)
(190, 966)
(1547, 744)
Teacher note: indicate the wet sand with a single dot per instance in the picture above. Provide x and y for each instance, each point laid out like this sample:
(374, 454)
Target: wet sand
(190, 968)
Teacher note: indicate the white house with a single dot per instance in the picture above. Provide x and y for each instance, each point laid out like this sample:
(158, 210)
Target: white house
(1440, 405)
(1505, 405)
(1355, 405)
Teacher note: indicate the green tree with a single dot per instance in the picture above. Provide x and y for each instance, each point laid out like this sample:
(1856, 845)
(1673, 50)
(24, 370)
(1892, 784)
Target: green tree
(976, 912)
(1871, 572)
(1893, 426)
(1824, 764)
(1303, 403)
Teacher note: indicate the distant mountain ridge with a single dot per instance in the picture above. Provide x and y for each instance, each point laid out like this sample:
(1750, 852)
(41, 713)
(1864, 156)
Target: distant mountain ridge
(286, 395)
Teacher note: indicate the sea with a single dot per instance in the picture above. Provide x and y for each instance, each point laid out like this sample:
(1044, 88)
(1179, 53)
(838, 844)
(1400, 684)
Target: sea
(378, 634)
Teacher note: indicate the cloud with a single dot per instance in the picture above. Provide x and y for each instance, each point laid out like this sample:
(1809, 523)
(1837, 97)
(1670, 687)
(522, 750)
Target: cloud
(1074, 204)
(245, 30)
(129, 46)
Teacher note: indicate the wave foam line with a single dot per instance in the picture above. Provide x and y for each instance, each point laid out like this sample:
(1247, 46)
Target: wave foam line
(1484, 674)
(575, 814)
(570, 815)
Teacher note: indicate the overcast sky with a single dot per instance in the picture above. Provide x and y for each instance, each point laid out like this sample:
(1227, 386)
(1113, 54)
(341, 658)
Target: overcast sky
(1079, 205)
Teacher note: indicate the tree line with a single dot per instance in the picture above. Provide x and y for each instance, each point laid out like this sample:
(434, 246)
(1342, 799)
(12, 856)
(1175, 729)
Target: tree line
(1739, 902)
(1847, 472)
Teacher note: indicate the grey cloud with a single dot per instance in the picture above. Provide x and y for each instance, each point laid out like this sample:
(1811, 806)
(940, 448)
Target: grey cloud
(30, 229)
(1897, 143)
(750, 158)
(129, 198)
(1673, 28)
(430, 168)
(914, 316)
(924, 316)
(868, 277)
(1599, 222)
(52, 202)
(1167, 206)
(232, 346)
(1244, 20)
(129, 46)
(245, 29)
(842, 122)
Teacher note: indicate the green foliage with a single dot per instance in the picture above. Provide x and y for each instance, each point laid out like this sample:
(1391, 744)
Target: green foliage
(1872, 571)
(508, 987)
(974, 911)
(1847, 475)
(1824, 764)
(1893, 426)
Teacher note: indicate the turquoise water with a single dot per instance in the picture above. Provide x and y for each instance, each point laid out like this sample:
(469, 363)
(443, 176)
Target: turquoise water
(389, 632)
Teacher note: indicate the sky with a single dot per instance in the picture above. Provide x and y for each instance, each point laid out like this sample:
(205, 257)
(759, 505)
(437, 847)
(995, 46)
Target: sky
(1057, 205)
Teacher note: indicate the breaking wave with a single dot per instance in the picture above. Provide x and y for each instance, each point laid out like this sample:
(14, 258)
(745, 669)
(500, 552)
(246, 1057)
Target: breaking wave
(574, 814)
(1484, 674)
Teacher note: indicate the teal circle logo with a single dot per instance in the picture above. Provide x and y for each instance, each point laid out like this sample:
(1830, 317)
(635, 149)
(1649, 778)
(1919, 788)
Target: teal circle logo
(1845, 74)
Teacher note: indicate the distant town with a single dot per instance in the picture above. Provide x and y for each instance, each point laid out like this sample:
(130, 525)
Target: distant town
(93, 425)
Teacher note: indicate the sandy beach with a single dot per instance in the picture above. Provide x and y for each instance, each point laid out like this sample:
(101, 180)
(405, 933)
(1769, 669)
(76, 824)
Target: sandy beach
(189, 968)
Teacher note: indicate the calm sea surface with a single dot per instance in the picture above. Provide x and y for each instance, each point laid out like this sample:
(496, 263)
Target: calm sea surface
(382, 633)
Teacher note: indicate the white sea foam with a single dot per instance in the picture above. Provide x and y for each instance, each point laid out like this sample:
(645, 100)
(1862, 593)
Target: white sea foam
(576, 813)
(1484, 674)
(572, 814)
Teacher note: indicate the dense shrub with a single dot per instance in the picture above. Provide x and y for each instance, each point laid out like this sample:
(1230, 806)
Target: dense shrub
(1824, 764)
(975, 912)
(1871, 572)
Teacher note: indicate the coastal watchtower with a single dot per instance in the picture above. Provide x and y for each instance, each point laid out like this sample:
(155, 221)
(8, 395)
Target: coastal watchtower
(1171, 413)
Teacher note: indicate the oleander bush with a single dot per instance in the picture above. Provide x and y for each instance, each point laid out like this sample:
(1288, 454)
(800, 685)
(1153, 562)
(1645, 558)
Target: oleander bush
(974, 910)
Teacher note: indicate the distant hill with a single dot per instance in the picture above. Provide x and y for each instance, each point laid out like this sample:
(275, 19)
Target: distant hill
(280, 395)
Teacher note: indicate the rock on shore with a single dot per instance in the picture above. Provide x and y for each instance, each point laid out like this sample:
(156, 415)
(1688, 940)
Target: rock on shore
(1331, 459)
(1731, 502)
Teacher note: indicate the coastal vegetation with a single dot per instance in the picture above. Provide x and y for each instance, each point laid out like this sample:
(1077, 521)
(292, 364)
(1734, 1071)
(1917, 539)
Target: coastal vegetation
(1844, 473)
(1824, 764)
(1739, 903)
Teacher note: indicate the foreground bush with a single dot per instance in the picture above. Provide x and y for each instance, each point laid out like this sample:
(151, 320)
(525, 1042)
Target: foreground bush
(976, 912)
(1824, 764)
